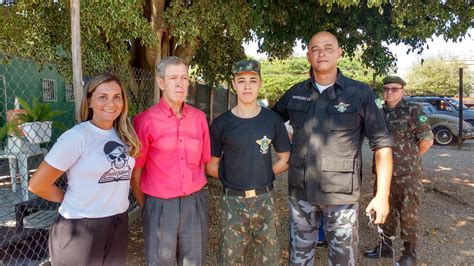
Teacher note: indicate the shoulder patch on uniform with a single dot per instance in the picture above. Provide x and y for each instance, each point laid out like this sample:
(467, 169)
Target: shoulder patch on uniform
(422, 118)
(379, 102)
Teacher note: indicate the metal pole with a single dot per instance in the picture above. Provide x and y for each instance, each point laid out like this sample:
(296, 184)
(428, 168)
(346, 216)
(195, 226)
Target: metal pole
(460, 109)
(373, 81)
(76, 55)
(229, 94)
(5, 93)
(211, 104)
(156, 88)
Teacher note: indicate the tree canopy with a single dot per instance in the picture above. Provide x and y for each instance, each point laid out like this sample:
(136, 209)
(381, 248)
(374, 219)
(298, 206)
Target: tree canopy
(366, 24)
(41, 31)
(210, 33)
(439, 76)
(279, 75)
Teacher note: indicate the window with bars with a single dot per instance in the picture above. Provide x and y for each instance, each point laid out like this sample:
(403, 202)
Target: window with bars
(69, 92)
(49, 90)
(7, 2)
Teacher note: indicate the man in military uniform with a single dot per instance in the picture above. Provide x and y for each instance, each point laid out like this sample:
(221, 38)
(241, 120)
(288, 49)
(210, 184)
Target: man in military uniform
(330, 115)
(413, 137)
(241, 143)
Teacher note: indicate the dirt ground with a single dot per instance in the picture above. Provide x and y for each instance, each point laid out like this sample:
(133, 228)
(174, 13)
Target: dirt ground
(447, 215)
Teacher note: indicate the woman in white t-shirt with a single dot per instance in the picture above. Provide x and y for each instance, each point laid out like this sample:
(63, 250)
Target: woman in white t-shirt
(98, 158)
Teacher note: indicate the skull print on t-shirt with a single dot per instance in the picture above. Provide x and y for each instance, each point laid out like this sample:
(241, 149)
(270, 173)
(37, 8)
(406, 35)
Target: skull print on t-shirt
(119, 170)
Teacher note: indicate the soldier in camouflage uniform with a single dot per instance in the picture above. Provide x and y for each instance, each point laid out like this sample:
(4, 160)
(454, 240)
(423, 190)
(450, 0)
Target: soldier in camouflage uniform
(413, 137)
(241, 141)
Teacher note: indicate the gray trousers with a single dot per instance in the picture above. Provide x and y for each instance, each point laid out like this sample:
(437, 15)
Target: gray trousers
(89, 241)
(176, 230)
(341, 228)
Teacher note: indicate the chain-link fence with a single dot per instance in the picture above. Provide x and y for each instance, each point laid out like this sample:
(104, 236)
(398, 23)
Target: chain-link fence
(139, 84)
(31, 93)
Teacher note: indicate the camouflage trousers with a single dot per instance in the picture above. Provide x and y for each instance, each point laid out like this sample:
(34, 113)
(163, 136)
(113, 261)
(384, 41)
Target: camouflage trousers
(248, 223)
(341, 227)
(404, 204)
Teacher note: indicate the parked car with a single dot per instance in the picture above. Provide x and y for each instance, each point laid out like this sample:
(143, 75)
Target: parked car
(446, 106)
(445, 128)
(467, 101)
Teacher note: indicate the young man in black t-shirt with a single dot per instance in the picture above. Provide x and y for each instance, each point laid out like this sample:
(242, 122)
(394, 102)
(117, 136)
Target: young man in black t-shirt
(241, 140)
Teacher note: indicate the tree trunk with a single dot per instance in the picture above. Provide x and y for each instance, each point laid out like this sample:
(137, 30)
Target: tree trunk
(154, 55)
(76, 56)
(154, 10)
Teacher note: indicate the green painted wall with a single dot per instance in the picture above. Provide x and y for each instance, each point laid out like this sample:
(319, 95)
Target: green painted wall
(24, 78)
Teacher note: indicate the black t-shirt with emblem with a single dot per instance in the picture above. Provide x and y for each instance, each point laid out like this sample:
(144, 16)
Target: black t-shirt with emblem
(244, 146)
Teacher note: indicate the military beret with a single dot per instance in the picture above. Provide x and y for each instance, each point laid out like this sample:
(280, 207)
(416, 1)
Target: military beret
(246, 65)
(394, 79)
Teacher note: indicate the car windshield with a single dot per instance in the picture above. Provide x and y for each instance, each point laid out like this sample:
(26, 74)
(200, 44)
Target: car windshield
(455, 103)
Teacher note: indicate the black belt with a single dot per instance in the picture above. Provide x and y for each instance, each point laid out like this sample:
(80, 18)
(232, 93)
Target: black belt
(247, 193)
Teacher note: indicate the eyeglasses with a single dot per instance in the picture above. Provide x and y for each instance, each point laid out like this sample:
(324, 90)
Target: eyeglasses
(393, 90)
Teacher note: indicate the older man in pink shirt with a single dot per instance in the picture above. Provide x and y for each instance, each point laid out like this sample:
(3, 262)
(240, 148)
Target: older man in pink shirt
(168, 178)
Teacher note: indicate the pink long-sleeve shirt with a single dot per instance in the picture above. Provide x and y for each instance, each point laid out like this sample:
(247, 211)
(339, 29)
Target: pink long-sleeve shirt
(174, 150)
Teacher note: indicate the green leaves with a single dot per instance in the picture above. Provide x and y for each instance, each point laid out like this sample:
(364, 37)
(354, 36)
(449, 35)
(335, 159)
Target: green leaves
(37, 111)
(107, 27)
(211, 32)
(368, 25)
(41, 31)
(438, 77)
(222, 25)
(279, 75)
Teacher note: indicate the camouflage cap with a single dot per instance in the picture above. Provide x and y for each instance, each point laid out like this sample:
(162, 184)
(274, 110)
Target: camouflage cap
(246, 65)
(394, 79)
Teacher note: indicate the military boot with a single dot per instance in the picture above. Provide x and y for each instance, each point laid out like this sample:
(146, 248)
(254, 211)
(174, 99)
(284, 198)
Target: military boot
(382, 250)
(408, 257)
